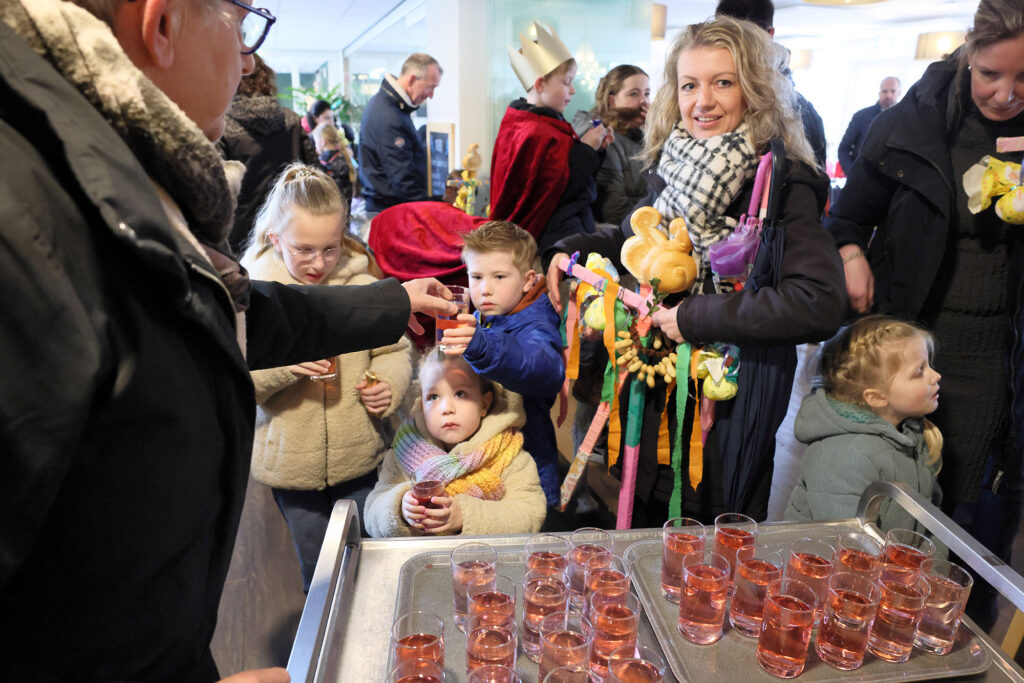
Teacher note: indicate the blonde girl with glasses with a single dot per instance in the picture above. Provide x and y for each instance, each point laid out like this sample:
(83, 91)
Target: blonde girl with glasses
(318, 440)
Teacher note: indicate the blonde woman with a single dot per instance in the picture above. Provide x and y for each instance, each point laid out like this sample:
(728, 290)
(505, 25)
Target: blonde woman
(723, 100)
(317, 438)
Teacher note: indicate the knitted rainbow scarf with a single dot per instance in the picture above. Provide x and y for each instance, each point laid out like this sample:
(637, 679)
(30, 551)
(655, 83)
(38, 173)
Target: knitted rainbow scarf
(476, 472)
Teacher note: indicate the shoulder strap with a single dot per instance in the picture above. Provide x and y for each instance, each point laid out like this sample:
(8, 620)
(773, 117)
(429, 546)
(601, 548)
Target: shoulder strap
(778, 150)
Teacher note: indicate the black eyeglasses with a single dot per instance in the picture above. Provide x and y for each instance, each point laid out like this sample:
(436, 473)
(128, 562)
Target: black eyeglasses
(255, 26)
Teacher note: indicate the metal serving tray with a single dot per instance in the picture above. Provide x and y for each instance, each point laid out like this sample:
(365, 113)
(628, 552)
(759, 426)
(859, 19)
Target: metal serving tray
(732, 657)
(344, 632)
(425, 583)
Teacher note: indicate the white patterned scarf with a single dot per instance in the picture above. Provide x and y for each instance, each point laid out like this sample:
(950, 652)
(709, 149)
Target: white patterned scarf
(703, 178)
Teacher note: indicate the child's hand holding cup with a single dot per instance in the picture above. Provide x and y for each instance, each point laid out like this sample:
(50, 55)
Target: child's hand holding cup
(455, 331)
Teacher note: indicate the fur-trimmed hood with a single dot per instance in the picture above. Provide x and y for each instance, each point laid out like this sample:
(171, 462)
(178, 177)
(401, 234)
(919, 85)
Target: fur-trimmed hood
(169, 145)
(260, 115)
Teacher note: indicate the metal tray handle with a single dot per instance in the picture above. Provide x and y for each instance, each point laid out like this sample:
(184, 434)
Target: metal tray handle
(330, 593)
(982, 560)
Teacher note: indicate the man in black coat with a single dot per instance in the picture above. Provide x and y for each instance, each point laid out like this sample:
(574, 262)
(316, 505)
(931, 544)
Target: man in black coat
(392, 157)
(888, 94)
(126, 405)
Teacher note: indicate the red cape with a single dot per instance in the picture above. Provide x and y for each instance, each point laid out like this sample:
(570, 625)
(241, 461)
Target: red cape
(529, 168)
(422, 239)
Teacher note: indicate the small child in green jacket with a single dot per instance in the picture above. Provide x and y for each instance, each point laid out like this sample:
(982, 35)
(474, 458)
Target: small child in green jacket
(869, 422)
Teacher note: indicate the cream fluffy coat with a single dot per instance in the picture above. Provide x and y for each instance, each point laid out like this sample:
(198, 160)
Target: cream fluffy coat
(520, 511)
(314, 434)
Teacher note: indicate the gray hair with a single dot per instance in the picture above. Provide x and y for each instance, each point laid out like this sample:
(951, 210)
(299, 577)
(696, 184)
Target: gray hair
(418, 63)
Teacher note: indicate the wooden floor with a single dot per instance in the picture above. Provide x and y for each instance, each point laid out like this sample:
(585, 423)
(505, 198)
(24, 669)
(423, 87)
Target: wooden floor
(263, 598)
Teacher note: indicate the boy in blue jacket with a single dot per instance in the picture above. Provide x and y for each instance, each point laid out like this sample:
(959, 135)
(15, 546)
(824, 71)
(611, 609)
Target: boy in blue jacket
(513, 337)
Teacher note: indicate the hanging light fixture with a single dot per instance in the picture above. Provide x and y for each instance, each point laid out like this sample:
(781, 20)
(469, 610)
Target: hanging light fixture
(659, 16)
(938, 44)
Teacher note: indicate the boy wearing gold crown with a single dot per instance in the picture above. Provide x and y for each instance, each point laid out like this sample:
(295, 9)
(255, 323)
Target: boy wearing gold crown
(543, 176)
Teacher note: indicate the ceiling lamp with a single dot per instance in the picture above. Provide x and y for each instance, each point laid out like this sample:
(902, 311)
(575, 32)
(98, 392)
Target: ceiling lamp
(659, 15)
(841, 3)
(938, 44)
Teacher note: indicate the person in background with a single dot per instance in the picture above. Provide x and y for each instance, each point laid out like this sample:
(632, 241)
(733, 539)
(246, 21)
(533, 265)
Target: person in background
(621, 103)
(121, 484)
(265, 137)
(868, 423)
(463, 432)
(722, 101)
(318, 440)
(941, 260)
(392, 156)
(336, 160)
(318, 112)
(512, 338)
(888, 94)
(762, 13)
(543, 176)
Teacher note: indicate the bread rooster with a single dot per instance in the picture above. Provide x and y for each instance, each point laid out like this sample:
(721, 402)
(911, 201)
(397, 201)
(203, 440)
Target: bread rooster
(654, 258)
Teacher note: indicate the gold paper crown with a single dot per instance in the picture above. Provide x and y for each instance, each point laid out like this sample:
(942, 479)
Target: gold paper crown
(538, 58)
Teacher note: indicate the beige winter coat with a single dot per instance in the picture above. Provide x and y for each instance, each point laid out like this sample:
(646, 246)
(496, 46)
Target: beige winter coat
(520, 511)
(313, 434)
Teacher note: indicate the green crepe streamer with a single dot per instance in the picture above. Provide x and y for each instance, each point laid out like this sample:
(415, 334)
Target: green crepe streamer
(675, 502)
(635, 414)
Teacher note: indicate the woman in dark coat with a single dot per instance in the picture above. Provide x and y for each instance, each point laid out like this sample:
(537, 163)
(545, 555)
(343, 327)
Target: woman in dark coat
(265, 137)
(958, 272)
(706, 125)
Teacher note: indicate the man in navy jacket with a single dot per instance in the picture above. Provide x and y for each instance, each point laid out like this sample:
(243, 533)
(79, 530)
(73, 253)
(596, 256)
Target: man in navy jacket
(849, 147)
(392, 157)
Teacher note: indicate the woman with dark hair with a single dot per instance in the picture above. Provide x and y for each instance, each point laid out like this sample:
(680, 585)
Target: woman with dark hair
(621, 102)
(265, 137)
(957, 268)
(318, 112)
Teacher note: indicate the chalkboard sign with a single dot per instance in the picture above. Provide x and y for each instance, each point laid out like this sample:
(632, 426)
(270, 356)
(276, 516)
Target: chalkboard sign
(440, 141)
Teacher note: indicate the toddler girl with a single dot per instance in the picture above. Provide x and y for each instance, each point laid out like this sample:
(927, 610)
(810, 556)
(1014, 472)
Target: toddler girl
(868, 422)
(464, 432)
(317, 440)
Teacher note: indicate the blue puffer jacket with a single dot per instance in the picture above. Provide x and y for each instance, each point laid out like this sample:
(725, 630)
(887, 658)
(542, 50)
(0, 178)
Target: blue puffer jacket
(522, 351)
(392, 157)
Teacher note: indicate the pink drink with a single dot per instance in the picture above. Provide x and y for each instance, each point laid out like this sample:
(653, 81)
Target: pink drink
(858, 554)
(420, 646)
(547, 561)
(786, 628)
(578, 559)
(733, 531)
(702, 600)
(616, 619)
(542, 595)
(900, 612)
(493, 673)
(679, 537)
(907, 548)
(423, 491)
(488, 643)
(417, 671)
(849, 613)
(418, 635)
(634, 671)
(585, 543)
(950, 587)
(464, 576)
(604, 571)
(753, 574)
(812, 562)
(566, 639)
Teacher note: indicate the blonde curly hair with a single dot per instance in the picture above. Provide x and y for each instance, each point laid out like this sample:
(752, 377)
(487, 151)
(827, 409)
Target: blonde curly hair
(772, 109)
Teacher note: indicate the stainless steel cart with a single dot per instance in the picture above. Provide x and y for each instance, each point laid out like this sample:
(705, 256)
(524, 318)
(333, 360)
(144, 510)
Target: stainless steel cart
(344, 632)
